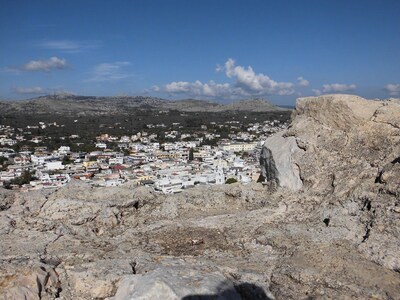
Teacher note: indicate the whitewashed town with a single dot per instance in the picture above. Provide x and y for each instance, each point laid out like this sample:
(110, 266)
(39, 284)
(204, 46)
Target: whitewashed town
(139, 159)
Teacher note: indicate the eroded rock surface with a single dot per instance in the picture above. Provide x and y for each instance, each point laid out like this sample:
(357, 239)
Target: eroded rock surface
(177, 282)
(330, 232)
(277, 162)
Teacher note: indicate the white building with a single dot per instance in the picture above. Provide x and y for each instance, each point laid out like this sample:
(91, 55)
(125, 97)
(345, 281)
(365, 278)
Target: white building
(155, 146)
(64, 150)
(53, 180)
(169, 186)
(54, 165)
(125, 139)
(116, 160)
(101, 145)
(219, 176)
(239, 147)
(169, 146)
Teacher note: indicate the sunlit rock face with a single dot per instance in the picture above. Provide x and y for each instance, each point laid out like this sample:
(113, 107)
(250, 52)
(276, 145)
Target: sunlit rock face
(346, 139)
(277, 163)
(347, 151)
(333, 138)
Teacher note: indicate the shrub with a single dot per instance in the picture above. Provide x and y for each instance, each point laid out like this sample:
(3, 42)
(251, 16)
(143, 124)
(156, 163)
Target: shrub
(230, 181)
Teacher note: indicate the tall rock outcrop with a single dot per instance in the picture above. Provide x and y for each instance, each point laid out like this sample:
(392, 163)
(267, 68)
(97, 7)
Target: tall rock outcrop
(347, 152)
(347, 141)
(333, 141)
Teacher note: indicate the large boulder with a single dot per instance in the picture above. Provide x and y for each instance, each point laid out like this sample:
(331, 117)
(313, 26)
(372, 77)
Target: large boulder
(177, 282)
(30, 281)
(334, 143)
(95, 280)
(350, 152)
(277, 162)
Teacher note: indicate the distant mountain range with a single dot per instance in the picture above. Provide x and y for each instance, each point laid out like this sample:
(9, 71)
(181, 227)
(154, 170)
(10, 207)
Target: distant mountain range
(72, 104)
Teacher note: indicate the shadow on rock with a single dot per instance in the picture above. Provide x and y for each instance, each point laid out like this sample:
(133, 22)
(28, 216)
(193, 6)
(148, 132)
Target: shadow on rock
(243, 291)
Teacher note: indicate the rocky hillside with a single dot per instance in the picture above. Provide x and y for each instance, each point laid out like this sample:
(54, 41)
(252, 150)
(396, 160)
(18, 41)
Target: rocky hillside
(73, 105)
(346, 150)
(326, 225)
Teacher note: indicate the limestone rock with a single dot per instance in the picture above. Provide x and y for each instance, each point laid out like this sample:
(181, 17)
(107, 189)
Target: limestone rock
(177, 282)
(277, 162)
(31, 282)
(350, 150)
(95, 280)
(347, 139)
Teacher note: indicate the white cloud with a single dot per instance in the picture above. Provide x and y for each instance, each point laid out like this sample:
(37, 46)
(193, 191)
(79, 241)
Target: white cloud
(37, 90)
(393, 89)
(338, 87)
(30, 90)
(316, 92)
(302, 81)
(253, 83)
(179, 87)
(45, 64)
(197, 88)
(69, 45)
(110, 72)
(219, 68)
(155, 88)
(246, 84)
(11, 70)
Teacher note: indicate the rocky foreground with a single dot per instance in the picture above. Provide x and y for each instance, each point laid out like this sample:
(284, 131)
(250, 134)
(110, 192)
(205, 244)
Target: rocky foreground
(325, 226)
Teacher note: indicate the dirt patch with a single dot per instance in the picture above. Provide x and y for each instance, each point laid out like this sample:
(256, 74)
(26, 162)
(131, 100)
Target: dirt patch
(189, 241)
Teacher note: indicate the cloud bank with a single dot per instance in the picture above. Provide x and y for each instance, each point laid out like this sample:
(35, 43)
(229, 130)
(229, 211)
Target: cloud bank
(46, 64)
(69, 46)
(316, 92)
(251, 82)
(393, 89)
(246, 83)
(197, 88)
(302, 81)
(37, 90)
(338, 87)
(30, 90)
(109, 72)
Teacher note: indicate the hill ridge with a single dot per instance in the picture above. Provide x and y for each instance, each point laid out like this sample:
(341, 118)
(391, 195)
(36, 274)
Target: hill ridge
(67, 103)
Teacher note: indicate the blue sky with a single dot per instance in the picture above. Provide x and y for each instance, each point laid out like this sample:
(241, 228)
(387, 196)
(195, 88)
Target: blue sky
(218, 50)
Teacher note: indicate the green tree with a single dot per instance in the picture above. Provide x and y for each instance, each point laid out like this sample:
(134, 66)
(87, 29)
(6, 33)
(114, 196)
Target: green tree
(191, 154)
(66, 160)
(230, 180)
(7, 185)
(3, 160)
(25, 178)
